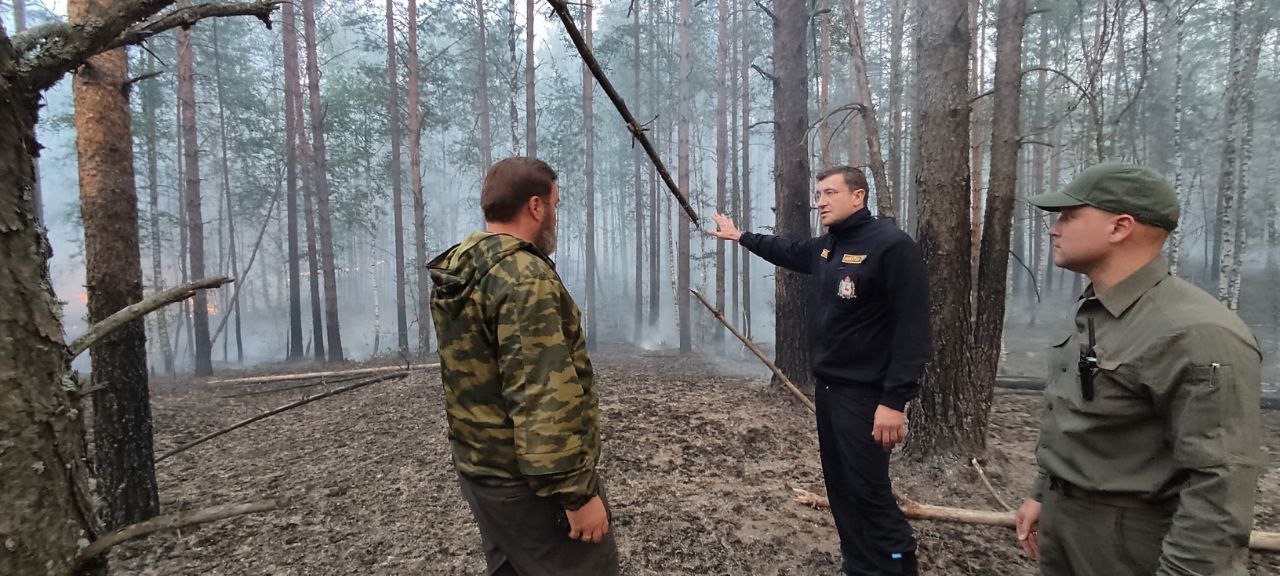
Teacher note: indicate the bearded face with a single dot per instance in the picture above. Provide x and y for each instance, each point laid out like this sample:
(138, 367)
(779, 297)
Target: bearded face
(546, 241)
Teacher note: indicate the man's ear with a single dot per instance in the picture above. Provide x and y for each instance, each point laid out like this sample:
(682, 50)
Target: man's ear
(1123, 227)
(861, 194)
(537, 207)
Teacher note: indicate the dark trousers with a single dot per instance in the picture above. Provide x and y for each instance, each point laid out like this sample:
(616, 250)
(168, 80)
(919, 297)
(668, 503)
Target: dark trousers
(1083, 534)
(875, 537)
(524, 534)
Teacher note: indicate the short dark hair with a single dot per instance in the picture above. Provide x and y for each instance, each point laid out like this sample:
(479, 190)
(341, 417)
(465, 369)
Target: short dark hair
(853, 177)
(510, 183)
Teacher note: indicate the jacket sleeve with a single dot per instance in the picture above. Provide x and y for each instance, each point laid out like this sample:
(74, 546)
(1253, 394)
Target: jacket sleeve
(794, 255)
(554, 419)
(907, 285)
(1214, 424)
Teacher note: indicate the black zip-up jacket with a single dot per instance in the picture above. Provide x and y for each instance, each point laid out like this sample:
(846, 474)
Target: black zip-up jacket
(868, 307)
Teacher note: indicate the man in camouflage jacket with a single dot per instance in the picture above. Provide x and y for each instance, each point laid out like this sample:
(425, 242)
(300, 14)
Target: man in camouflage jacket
(519, 392)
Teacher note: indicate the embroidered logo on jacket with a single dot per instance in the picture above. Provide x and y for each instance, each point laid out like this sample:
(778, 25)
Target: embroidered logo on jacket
(853, 258)
(847, 290)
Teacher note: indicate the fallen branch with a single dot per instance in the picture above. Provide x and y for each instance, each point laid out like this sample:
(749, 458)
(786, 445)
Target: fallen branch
(562, 10)
(170, 522)
(320, 382)
(286, 407)
(983, 475)
(754, 350)
(1259, 541)
(310, 375)
(140, 309)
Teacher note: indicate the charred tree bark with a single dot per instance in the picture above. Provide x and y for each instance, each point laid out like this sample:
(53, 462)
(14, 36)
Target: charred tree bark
(948, 420)
(113, 278)
(319, 173)
(195, 220)
(791, 183)
(419, 205)
(397, 201)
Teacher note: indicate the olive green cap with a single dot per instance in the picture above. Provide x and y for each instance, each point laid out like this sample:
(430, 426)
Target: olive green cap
(1119, 189)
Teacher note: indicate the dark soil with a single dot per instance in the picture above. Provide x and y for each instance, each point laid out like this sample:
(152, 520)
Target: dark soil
(700, 461)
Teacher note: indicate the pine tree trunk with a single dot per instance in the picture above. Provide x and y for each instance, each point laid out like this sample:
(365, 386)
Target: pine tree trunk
(746, 164)
(415, 173)
(684, 59)
(397, 202)
(722, 145)
(824, 86)
(513, 80)
(886, 196)
(184, 327)
(897, 17)
(226, 188)
(589, 167)
(308, 213)
(993, 269)
(319, 173)
(195, 220)
(482, 88)
(948, 420)
(47, 503)
(791, 184)
(856, 15)
(637, 158)
(530, 103)
(290, 50)
(151, 99)
(113, 277)
(735, 193)
(655, 208)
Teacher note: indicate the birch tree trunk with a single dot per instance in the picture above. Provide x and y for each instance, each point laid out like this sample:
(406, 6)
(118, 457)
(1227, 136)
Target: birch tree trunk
(482, 89)
(150, 100)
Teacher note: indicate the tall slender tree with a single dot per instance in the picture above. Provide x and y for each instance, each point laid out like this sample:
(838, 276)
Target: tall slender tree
(397, 202)
(637, 159)
(150, 101)
(290, 50)
(321, 184)
(113, 277)
(293, 92)
(482, 87)
(685, 58)
(745, 74)
(722, 144)
(530, 103)
(415, 169)
(195, 220)
(791, 182)
(226, 190)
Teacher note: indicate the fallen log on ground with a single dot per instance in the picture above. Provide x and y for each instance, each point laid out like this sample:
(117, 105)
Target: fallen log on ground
(286, 407)
(310, 375)
(320, 382)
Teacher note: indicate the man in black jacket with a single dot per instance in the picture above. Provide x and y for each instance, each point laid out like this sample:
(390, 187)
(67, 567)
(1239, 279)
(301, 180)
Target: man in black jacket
(868, 332)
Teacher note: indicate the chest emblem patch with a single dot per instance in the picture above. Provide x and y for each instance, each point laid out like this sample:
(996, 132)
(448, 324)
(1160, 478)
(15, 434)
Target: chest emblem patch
(847, 290)
(853, 258)
(826, 253)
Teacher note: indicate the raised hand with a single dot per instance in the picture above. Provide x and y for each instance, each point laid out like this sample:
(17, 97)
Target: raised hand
(726, 229)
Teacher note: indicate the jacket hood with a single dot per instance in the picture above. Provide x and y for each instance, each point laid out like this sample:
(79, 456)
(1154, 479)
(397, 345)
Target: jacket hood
(458, 270)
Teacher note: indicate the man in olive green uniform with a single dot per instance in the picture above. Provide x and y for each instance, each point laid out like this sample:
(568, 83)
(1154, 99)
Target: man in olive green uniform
(519, 392)
(1149, 448)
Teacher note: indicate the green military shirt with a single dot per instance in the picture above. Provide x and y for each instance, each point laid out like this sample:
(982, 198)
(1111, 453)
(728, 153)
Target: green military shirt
(519, 392)
(1175, 414)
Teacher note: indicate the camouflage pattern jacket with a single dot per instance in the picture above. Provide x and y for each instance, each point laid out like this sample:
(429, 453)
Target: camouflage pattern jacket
(518, 386)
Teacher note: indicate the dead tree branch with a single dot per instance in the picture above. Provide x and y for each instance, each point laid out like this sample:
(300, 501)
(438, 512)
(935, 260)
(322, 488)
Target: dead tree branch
(140, 309)
(983, 475)
(562, 10)
(286, 407)
(253, 256)
(311, 375)
(755, 350)
(170, 522)
(50, 51)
